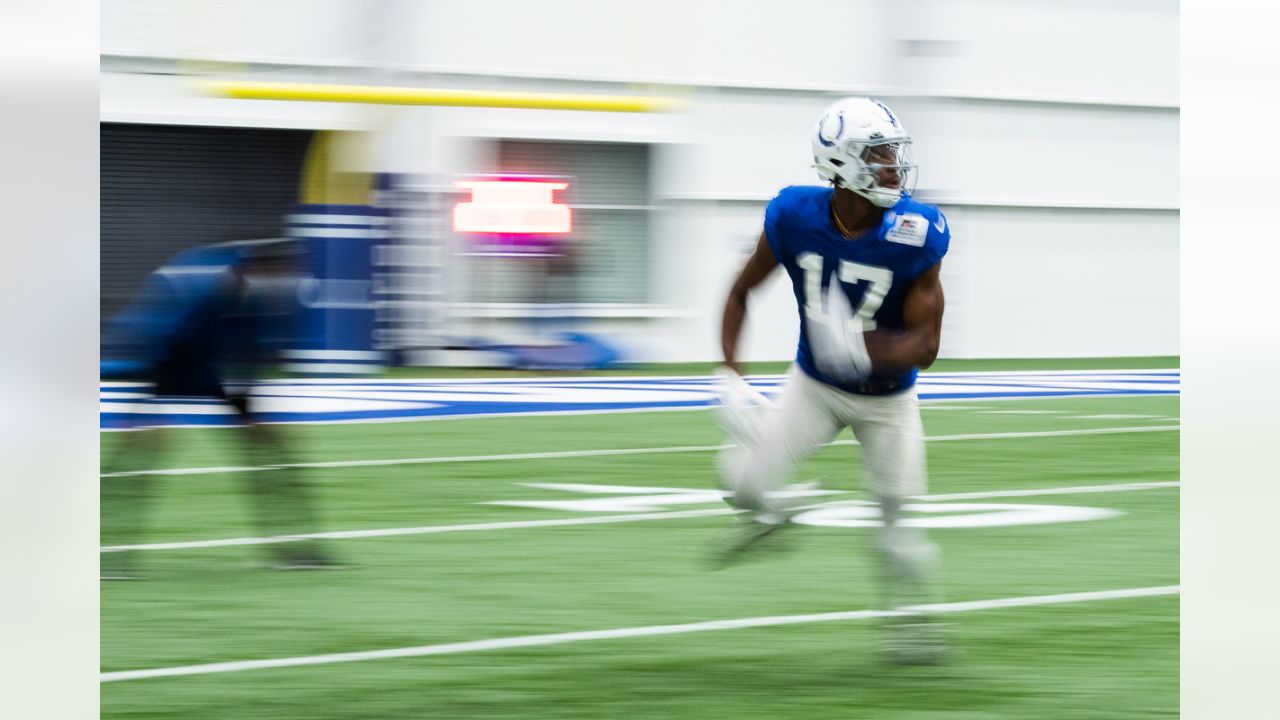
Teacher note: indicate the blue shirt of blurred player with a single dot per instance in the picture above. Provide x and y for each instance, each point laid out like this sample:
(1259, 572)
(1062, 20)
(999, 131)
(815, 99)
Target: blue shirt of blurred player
(205, 324)
(210, 317)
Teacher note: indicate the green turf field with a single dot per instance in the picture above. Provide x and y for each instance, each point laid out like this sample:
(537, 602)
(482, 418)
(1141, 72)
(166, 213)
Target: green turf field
(445, 580)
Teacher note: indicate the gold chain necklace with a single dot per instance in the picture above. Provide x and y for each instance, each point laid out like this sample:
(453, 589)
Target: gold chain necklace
(843, 230)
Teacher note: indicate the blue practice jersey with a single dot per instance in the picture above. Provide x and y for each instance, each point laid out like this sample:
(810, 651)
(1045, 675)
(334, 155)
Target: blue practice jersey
(191, 312)
(874, 271)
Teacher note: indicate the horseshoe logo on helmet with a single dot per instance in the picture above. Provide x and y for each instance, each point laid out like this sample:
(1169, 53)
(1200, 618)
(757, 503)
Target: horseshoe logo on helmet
(839, 130)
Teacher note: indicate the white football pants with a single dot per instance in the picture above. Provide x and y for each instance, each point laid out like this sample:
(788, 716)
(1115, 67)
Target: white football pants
(809, 415)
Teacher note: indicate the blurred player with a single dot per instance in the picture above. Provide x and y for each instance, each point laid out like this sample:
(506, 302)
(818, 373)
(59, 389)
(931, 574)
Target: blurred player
(207, 325)
(863, 258)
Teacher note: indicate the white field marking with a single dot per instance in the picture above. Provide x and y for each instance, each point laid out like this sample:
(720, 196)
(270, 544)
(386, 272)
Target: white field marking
(1113, 417)
(1041, 433)
(697, 383)
(1054, 373)
(663, 378)
(1053, 379)
(524, 641)
(348, 397)
(926, 404)
(168, 409)
(598, 519)
(1118, 487)
(425, 530)
(481, 416)
(1022, 412)
(616, 451)
(953, 515)
(622, 499)
(607, 489)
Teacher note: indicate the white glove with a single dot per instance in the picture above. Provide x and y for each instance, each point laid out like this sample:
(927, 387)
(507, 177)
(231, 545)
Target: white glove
(740, 407)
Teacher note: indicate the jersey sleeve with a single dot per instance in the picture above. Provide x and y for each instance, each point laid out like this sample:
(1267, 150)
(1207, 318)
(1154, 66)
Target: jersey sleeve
(776, 217)
(939, 238)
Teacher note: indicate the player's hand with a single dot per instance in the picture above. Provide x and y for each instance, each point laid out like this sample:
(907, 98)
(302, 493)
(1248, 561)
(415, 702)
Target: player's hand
(739, 407)
(732, 390)
(837, 340)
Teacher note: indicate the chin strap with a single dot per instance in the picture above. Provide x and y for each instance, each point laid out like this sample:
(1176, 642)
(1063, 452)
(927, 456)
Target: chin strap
(876, 198)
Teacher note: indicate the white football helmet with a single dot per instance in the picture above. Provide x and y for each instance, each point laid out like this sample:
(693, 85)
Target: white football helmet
(855, 141)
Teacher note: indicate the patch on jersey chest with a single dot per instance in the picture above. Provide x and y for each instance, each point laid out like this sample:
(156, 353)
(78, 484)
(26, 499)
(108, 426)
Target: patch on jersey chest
(909, 229)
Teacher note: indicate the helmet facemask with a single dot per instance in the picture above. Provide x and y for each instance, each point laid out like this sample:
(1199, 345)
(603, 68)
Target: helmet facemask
(886, 172)
(878, 171)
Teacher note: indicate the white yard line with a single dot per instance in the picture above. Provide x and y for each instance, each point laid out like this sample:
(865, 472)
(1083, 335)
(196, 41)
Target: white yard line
(524, 641)
(1113, 417)
(425, 530)
(599, 519)
(1042, 433)
(1116, 487)
(620, 451)
(1022, 412)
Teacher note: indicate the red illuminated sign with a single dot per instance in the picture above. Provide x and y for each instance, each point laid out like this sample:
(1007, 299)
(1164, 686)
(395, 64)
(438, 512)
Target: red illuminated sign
(509, 206)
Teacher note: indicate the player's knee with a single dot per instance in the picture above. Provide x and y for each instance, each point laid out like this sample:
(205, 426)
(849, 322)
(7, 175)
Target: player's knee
(899, 481)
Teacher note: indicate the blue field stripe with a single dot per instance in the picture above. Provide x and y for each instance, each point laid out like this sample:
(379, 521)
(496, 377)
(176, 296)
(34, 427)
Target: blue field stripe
(364, 400)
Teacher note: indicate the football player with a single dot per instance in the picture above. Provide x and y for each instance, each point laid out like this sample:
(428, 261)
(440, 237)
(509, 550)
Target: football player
(863, 258)
(206, 325)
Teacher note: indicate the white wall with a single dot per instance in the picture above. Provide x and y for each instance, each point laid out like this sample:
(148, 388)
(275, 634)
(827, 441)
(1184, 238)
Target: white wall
(1047, 130)
(1029, 282)
(1118, 51)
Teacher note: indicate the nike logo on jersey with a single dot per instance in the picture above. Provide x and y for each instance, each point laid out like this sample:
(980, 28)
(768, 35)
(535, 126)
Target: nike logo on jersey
(941, 225)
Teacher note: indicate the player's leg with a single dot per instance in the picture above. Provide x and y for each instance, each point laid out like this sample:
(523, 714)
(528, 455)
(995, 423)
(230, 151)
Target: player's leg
(909, 567)
(124, 493)
(282, 502)
(127, 483)
(782, 436)
(754, 472)
(892, 438)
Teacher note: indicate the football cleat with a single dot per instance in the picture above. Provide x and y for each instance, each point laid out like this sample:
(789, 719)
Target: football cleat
(915, 639)
(758, 534)
(305, 560)
(117, 566)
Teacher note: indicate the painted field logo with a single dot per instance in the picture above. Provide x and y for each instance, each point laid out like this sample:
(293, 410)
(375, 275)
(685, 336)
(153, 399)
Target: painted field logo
(845, 513)
(952, 515)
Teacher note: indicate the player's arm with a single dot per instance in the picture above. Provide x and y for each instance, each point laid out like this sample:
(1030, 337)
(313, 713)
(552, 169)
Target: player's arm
(758, 267)
(917, 344)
